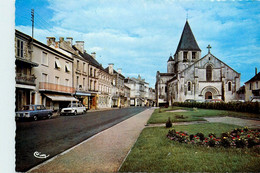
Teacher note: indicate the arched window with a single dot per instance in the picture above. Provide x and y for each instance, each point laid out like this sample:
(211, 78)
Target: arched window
(229, 86)
(209, 73)
(189, 86)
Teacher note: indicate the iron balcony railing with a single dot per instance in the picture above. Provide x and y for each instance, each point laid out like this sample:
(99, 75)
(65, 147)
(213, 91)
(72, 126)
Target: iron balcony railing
(25, 79)
(56, 87)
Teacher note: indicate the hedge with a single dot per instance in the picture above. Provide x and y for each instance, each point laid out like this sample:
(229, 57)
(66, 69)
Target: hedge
(250, 107)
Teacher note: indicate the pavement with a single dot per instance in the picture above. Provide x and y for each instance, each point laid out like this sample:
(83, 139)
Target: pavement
(104, 152)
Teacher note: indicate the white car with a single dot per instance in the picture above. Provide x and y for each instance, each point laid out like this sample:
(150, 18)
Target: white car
(74, 108)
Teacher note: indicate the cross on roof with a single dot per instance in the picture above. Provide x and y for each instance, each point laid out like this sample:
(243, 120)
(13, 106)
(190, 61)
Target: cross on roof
(209, 47)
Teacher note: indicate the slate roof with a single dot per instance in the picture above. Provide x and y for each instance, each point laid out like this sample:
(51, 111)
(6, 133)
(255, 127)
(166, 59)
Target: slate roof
(187, 41)
(115, 72)
(255, 78)
(170, 59)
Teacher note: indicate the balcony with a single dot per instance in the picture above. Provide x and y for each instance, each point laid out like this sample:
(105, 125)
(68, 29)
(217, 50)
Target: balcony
(55, 87)
(25, 79)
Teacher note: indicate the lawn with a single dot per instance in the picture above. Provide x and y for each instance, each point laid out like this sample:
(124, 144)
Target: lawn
(161, 115)
(153, 152)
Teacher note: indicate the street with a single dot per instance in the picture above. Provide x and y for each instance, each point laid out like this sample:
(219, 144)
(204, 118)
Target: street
(53, 136)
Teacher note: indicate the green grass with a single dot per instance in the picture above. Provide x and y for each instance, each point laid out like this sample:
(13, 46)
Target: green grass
(153, 152)
(161, 115)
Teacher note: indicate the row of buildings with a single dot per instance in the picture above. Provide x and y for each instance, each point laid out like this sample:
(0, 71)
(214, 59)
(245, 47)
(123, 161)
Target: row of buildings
(59, 72)
(190, 76)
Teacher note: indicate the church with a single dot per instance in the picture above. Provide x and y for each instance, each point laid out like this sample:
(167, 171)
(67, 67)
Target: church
(191, 77)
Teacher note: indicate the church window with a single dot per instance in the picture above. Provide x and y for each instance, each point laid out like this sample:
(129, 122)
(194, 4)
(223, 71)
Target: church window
(229, 86)
(185, 56)
(209, 73)
(189, 86)
(193, 55)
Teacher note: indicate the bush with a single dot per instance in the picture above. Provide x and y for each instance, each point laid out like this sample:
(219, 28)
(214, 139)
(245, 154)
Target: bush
(168, 123)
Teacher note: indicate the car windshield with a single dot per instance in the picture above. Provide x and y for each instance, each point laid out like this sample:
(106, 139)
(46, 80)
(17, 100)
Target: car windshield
(28, 107)
(73, 105)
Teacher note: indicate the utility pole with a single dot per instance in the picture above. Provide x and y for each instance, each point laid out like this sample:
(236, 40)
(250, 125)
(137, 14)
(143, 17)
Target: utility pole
(32, 16)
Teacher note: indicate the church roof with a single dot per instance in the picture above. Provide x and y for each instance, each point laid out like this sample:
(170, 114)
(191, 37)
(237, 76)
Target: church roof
(255, 78)
(170, 59)
(187, 41)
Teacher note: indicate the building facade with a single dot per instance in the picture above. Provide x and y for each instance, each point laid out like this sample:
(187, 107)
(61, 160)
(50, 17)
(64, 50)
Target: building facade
(191, 77)
(25, 79)
(252, 88)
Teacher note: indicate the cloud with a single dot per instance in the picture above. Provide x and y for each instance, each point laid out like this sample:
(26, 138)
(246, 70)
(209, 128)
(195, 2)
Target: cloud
(139, 35)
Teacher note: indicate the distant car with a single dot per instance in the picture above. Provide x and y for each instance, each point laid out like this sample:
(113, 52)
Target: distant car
(74, 109)
(33, 112)
(190, 100)
(213, 101)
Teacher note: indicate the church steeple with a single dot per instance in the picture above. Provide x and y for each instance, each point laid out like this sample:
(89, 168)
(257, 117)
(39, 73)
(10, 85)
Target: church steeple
(187, 41)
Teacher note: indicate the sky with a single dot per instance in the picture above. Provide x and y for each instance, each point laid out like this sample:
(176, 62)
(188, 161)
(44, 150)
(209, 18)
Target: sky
(140, 35)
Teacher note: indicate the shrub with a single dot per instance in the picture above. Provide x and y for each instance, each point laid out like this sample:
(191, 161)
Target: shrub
(168, 123)
(201, 136)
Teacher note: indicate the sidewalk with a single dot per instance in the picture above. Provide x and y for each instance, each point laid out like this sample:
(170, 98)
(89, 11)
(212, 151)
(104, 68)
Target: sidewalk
(103, 152)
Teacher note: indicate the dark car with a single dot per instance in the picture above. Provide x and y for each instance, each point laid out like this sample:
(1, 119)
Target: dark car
(33, 112)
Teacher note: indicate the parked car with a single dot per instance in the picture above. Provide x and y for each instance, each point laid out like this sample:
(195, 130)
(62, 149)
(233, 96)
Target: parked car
(33, 112)
(74, 108)
(190, 100)
(213, 100)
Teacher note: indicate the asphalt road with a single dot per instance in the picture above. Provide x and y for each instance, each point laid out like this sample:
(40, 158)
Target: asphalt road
(53, 136)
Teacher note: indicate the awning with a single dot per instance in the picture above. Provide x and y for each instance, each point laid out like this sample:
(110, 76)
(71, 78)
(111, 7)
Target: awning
(83, 94)
(55, 97)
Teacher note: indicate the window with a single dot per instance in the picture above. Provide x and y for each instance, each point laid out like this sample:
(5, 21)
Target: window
(250, 86)
(57, 64)
(77, 64)
(84, 82)
(256, 85)
(209, 73)
(94, 72)
(185, 56)
(67, 82)
(193, 55)
(44, 77)
(90, 71)
(166, 89)
(94, 85)
(90, 85)
(189, 86)
(57, 80)
(67, 68)
(44, 58)
(84, 67)
(20, 48)
(77, 81)
(229, 86)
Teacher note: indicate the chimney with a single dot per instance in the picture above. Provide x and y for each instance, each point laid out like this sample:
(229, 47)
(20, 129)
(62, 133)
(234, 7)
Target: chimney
(80, 45)
(139, 77)
(111, 68)
(69, 39)
(93, 54)
(256, 71)
(119, 70)
(61, 39)
(50, 41)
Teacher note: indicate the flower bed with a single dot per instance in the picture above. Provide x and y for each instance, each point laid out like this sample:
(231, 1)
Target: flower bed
(238, 138)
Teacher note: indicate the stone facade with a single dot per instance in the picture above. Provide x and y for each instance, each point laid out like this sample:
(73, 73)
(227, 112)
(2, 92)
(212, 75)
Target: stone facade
(252, 88)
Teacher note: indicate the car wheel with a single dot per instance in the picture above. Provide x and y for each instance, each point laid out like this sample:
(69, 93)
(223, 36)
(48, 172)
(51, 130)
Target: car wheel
(75, 112)
(84, 111)
(49, 116)
(35, 118)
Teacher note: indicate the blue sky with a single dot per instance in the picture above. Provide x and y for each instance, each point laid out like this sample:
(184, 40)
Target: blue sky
(139, 35)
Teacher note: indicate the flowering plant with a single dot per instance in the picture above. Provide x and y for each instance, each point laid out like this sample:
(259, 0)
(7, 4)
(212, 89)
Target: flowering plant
(238, 138)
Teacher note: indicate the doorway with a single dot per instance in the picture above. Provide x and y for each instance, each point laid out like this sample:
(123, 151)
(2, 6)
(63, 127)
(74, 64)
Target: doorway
(208, 95)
